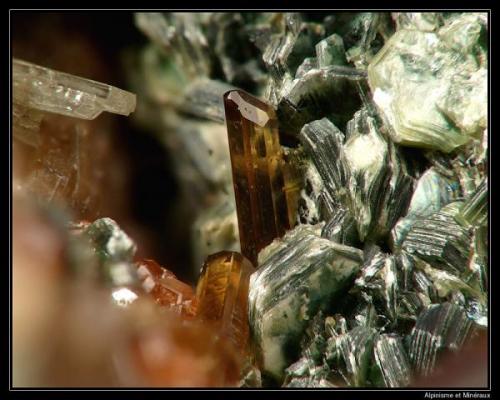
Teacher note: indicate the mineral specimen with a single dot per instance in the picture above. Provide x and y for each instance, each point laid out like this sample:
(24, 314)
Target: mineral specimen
(415, 84)
(341, 228)
(378, 276)
(440, 240)
(330, 91)
(258, 176)
(168, 352)
(474, 211)
(392, 360)
(52, 131)
(432, 192)
(52, 91)
(109, 241)
(166, 289)
(361, 192)
(323, 141)
(379, 185)
(375, 189)
(222, 294)
(298, 275)
(330, 51)
(441, 326)
(114, 251)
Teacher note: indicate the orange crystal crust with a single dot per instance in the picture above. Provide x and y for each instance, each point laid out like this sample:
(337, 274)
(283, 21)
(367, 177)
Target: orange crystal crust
(166, 289)
(259, 180)
(222, 294)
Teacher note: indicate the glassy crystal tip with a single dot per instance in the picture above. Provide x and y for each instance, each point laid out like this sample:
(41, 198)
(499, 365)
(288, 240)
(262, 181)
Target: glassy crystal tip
(58, 92)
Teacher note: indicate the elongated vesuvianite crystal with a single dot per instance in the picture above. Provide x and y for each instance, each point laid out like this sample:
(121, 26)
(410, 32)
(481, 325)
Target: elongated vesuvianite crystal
(259, 174)
(222, 294)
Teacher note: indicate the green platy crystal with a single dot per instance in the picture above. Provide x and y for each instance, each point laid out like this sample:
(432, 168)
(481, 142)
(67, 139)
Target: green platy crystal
(298, 275)
(439, 327)
(432, 192)
(432, 87)
(341, 309)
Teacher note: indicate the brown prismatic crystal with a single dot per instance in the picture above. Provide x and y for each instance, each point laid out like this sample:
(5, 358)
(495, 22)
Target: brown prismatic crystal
(258, 172)
(222, 294)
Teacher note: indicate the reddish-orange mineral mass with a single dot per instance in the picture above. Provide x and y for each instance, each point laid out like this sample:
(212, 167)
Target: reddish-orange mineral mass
(185, 354)
(166, 289)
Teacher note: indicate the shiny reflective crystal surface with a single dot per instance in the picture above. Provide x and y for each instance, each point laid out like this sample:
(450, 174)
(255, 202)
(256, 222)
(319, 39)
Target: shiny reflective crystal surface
(260, 188)
(328, 207)
(222, 295)
(47, 90)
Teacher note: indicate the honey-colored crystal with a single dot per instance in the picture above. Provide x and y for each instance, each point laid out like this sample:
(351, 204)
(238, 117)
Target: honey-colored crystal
(222, 294)
(259, 179)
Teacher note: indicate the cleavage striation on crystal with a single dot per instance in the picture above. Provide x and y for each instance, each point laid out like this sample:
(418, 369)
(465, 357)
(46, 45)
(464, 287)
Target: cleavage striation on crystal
(299, 275)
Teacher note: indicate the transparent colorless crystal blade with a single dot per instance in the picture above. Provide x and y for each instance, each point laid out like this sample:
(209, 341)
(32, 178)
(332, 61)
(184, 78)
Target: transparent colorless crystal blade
(58, 92)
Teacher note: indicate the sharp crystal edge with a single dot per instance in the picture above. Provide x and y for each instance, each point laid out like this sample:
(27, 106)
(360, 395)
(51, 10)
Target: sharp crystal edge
(440, 240)
(261, 183)
(415, 84)
(47, 90)
(222, 293)
(432, 192)
(474, 211)
(392, 360)
(329, 91)
(341, 228)
(378, 276)
(439, 327)
(369, 178)
(298, 276)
